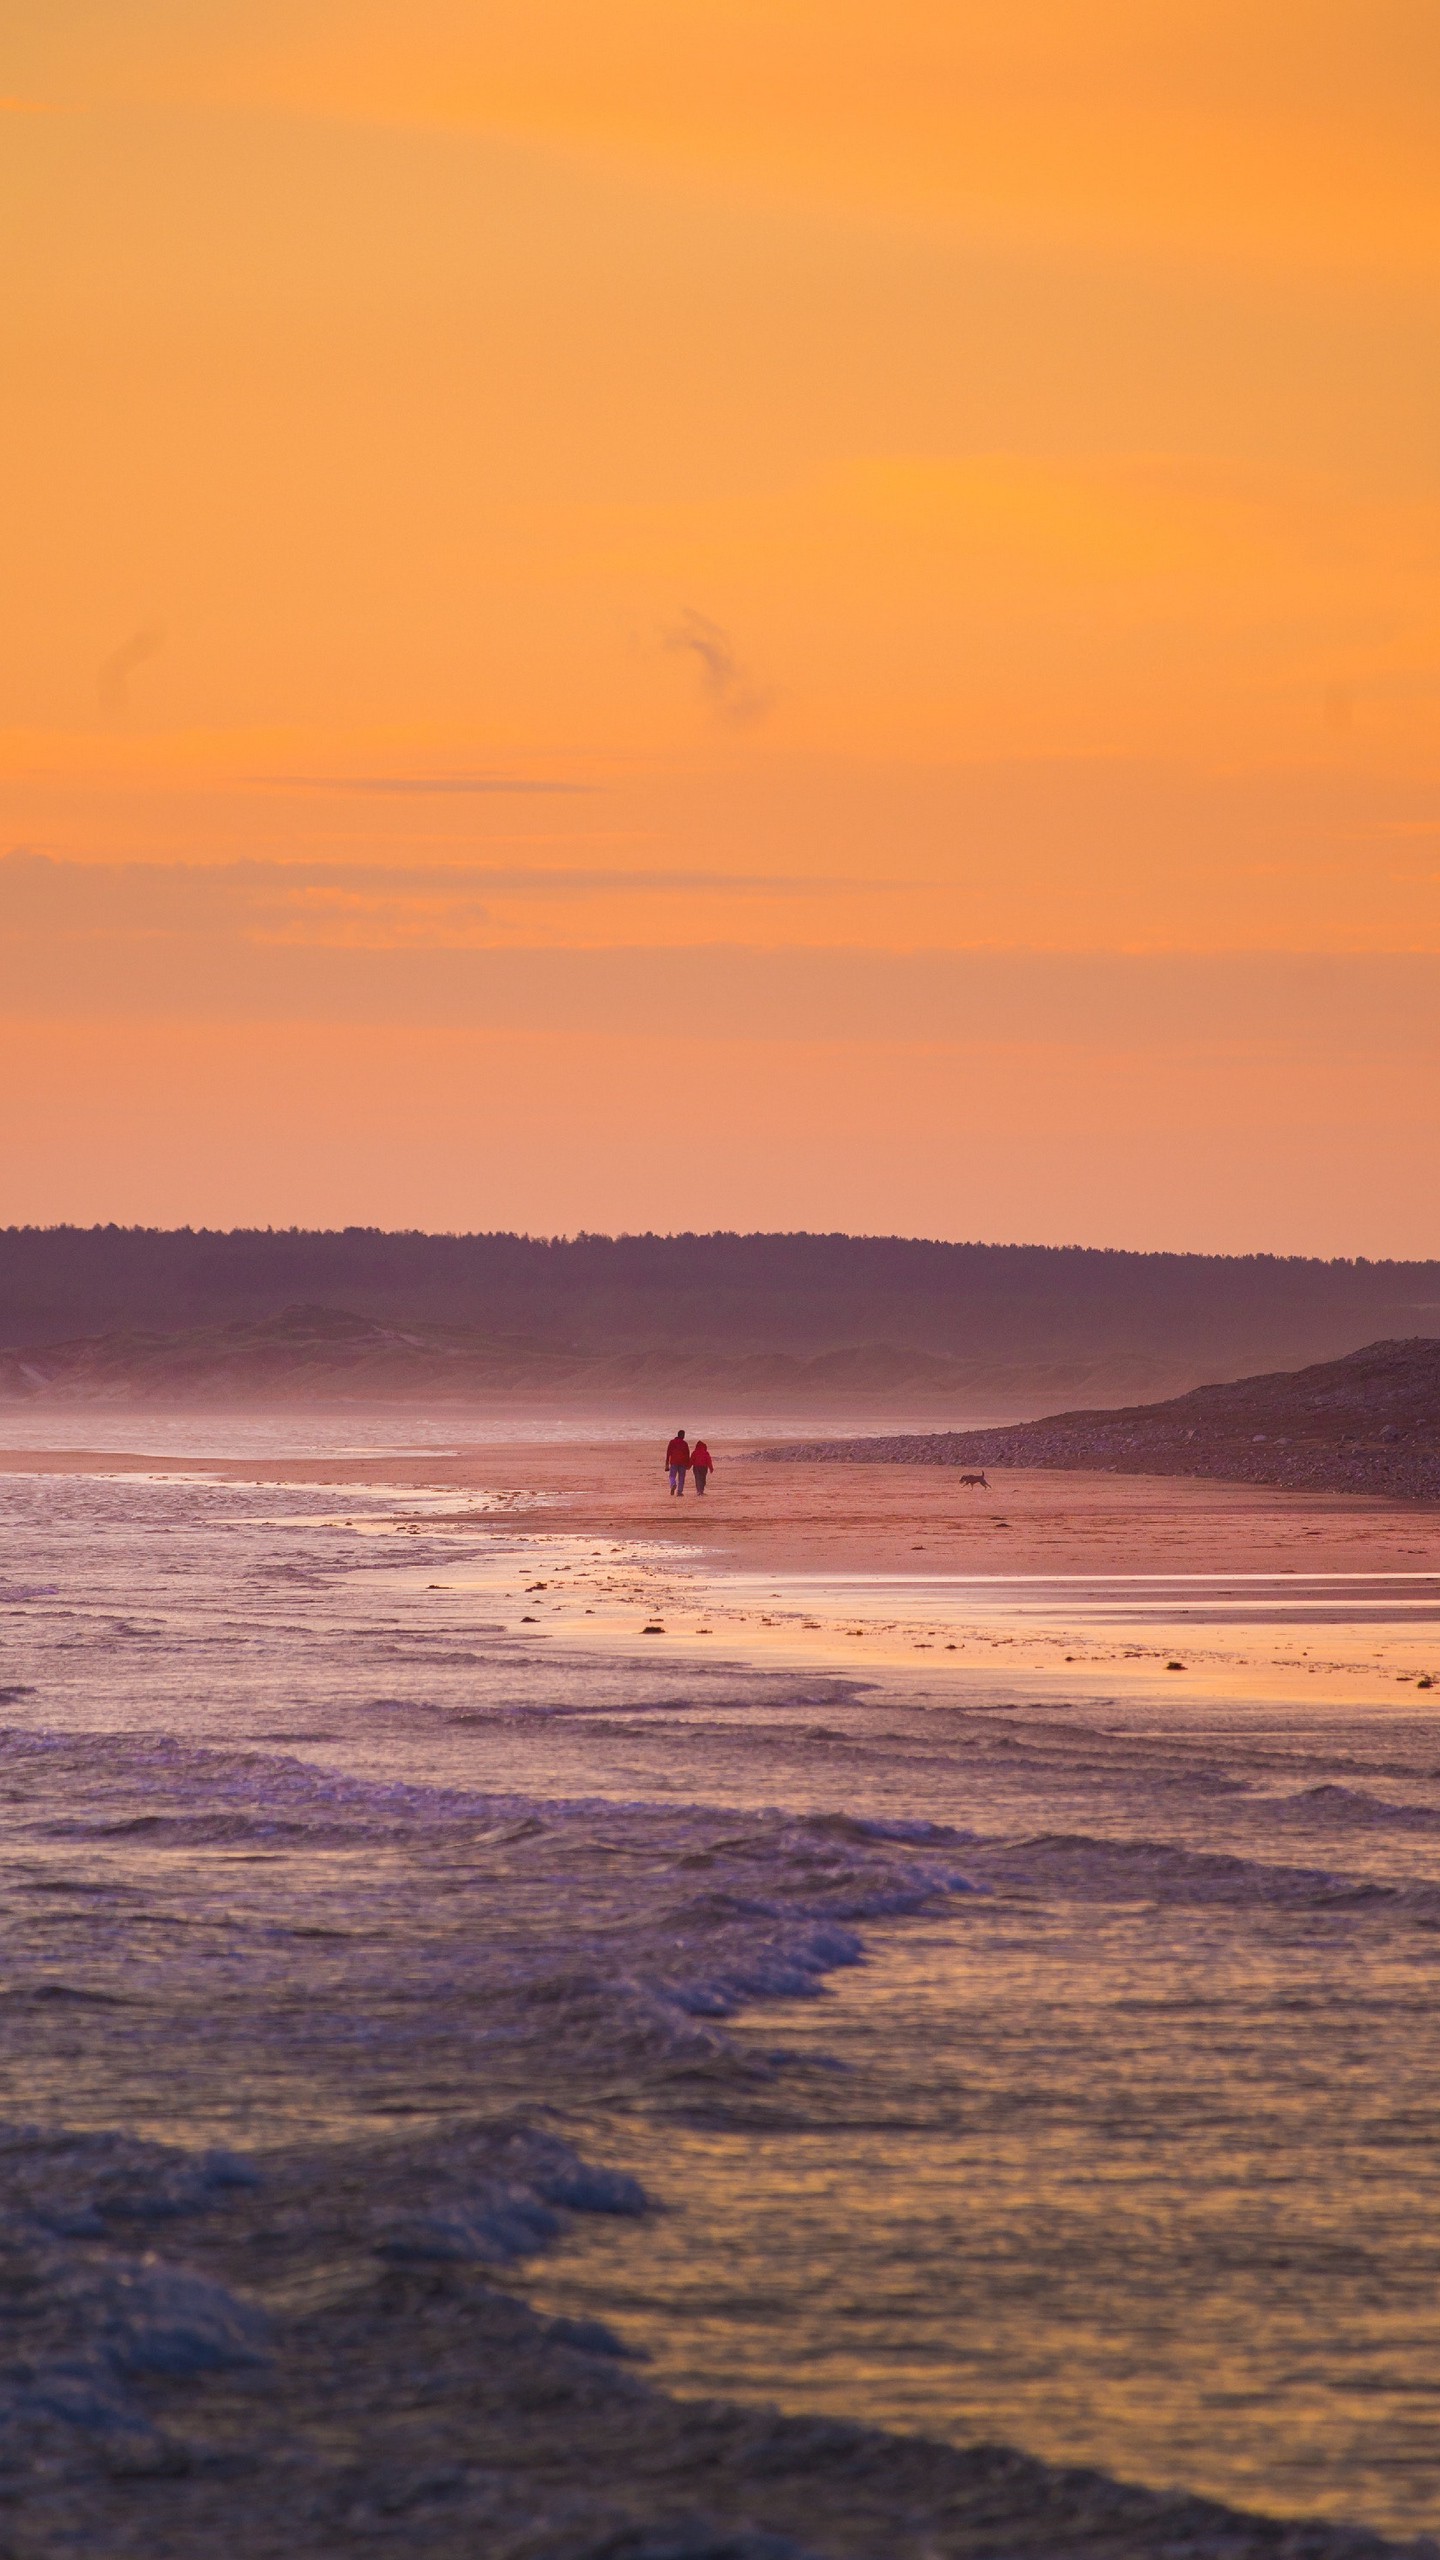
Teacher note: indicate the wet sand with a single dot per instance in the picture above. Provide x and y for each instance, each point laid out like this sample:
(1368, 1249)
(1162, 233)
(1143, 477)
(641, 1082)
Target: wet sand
(806, 1518)
(1086, 1582)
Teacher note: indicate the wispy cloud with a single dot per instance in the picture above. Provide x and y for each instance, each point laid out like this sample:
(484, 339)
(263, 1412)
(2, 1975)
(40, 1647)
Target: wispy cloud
(99, 941)
(726, 684)
(416, 785)
(433, 903)
(112, 681)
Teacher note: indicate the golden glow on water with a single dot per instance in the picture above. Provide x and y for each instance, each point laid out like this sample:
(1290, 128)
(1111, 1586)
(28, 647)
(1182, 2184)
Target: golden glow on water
(1153, 2191)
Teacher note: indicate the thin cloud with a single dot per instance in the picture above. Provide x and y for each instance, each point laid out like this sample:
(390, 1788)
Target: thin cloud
(112, 681)
(413, 784)
(39, 893)
(724, 680)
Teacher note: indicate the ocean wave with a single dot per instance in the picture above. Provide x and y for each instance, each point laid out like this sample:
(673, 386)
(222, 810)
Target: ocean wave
(94, 2331)
(1347, 1808)
(341, 2358)
(417, 1934)
(1086, 1867)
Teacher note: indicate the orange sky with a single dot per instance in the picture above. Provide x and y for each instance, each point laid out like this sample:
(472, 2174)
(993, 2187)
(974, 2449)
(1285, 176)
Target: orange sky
(554, 553)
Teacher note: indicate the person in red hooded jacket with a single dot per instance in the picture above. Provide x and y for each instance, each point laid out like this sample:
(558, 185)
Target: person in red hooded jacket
(677, 1459)
(701, 1463)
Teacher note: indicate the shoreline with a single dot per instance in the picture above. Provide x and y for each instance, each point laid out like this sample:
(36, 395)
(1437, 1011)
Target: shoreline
(781, 1509)
(889, 1569)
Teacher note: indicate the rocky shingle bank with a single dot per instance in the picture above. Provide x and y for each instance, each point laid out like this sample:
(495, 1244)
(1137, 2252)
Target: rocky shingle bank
(1369, 1423)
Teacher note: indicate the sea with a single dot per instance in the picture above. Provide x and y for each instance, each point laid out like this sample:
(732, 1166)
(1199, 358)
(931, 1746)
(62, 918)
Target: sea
(912, 2046)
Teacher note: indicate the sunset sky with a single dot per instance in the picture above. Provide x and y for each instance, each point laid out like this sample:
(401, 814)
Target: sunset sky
(724, 615)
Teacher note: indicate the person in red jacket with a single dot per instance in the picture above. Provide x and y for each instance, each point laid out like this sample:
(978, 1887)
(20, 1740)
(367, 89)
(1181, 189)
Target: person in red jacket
(677, 1459)
(701, 1463)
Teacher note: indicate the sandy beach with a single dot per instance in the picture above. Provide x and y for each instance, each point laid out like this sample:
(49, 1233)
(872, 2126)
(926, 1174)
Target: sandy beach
(1089, 1578)
(808, 1518)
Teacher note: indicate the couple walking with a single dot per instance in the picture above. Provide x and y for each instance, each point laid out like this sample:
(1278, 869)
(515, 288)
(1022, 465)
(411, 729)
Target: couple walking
(680, 1455)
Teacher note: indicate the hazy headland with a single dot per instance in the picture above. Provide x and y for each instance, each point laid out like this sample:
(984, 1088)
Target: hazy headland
(1369, 1423)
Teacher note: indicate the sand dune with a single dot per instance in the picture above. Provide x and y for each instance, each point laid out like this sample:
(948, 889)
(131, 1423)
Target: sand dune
(313, 1353)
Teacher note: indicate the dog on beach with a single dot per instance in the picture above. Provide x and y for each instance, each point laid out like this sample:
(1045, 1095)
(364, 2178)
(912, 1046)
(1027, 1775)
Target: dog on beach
(980, 1479)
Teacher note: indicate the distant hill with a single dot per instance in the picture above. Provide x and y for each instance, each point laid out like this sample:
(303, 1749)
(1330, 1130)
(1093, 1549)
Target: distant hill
(1369, 1423)
(1046, 1323)
(307, 1355)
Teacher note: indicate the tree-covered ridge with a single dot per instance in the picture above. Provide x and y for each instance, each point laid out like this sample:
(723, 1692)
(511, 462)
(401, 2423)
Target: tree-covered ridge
(753, 1293)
